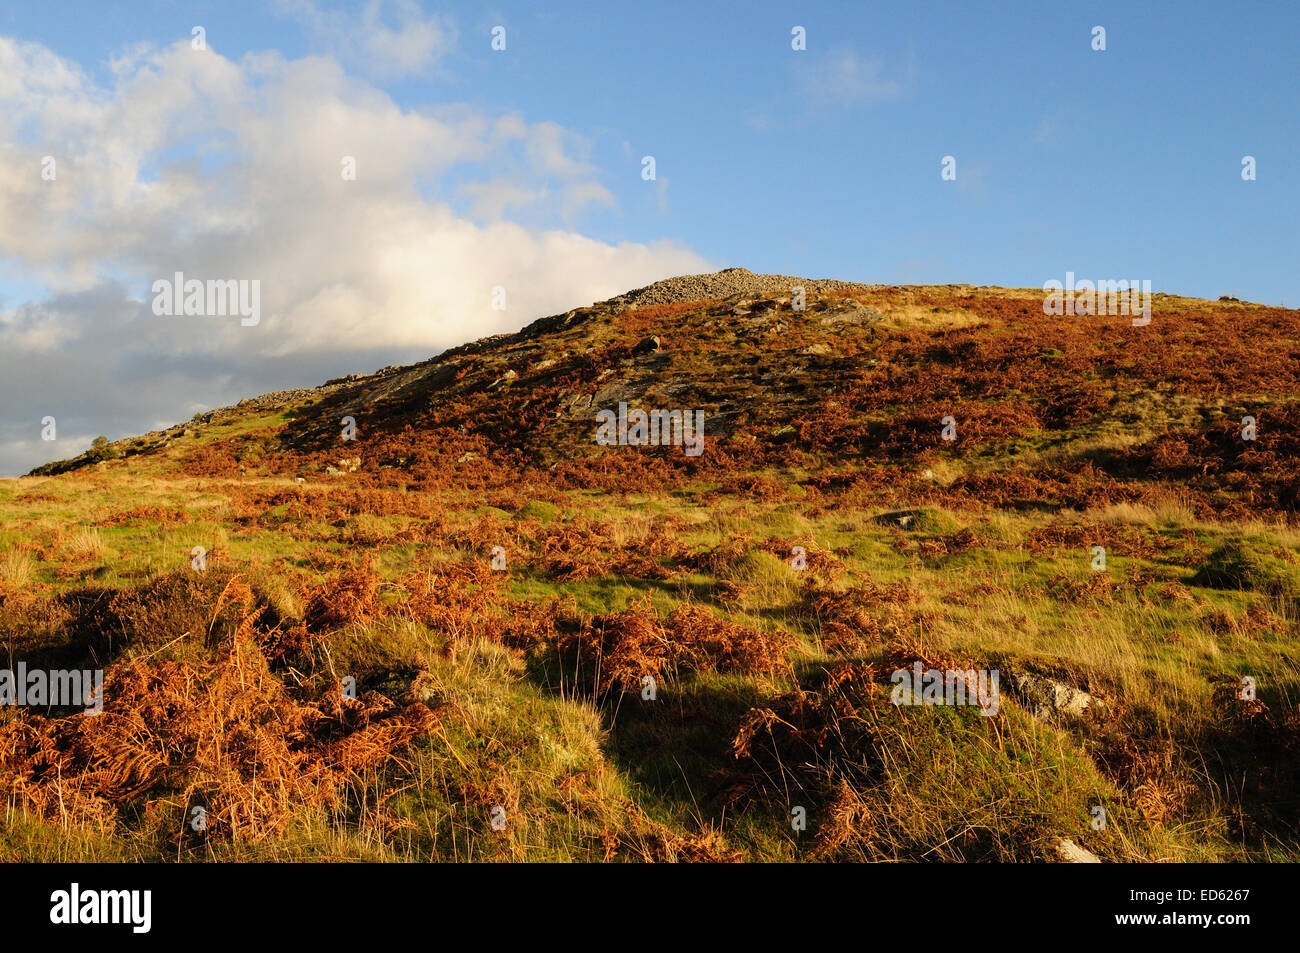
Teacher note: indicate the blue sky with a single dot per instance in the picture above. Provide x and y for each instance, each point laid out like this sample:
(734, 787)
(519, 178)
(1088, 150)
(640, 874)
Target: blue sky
(824, 162)
(1123, 162)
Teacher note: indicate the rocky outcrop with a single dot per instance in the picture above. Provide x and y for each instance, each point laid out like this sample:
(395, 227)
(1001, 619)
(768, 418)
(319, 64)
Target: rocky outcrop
(722, 284)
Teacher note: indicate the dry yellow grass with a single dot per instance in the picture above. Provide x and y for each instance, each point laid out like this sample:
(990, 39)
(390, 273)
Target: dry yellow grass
(85, 544)
(16, 568)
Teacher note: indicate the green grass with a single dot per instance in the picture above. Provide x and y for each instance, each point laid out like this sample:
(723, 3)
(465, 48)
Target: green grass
(944, 789)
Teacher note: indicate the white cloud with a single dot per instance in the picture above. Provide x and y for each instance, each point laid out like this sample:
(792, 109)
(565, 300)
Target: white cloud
(550, 146)
(191, 162)
(491, 200)
(388, 38)
(576, 198)
(843, 79)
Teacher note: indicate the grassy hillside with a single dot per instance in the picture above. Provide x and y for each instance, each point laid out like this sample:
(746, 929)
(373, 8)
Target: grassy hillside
(827, 536)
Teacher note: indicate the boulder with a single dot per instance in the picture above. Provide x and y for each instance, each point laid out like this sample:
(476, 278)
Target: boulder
(1071, 853)
(1043, 696)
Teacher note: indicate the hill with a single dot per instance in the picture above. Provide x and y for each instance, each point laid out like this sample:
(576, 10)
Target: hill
(426, 613)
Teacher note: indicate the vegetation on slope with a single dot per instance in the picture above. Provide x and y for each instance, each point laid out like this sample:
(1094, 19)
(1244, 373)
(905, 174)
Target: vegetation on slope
(519, 693)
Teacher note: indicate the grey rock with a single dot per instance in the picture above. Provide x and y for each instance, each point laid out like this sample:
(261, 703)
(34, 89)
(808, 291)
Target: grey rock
(740, 283)
(1043, 696)
(1071, 853)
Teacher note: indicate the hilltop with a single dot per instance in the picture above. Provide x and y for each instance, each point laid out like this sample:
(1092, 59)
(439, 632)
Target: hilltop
(1084, 408)
(499, 586)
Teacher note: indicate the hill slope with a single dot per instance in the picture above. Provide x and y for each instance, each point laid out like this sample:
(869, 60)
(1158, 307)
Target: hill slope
(1108, 411)
(500, 586)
